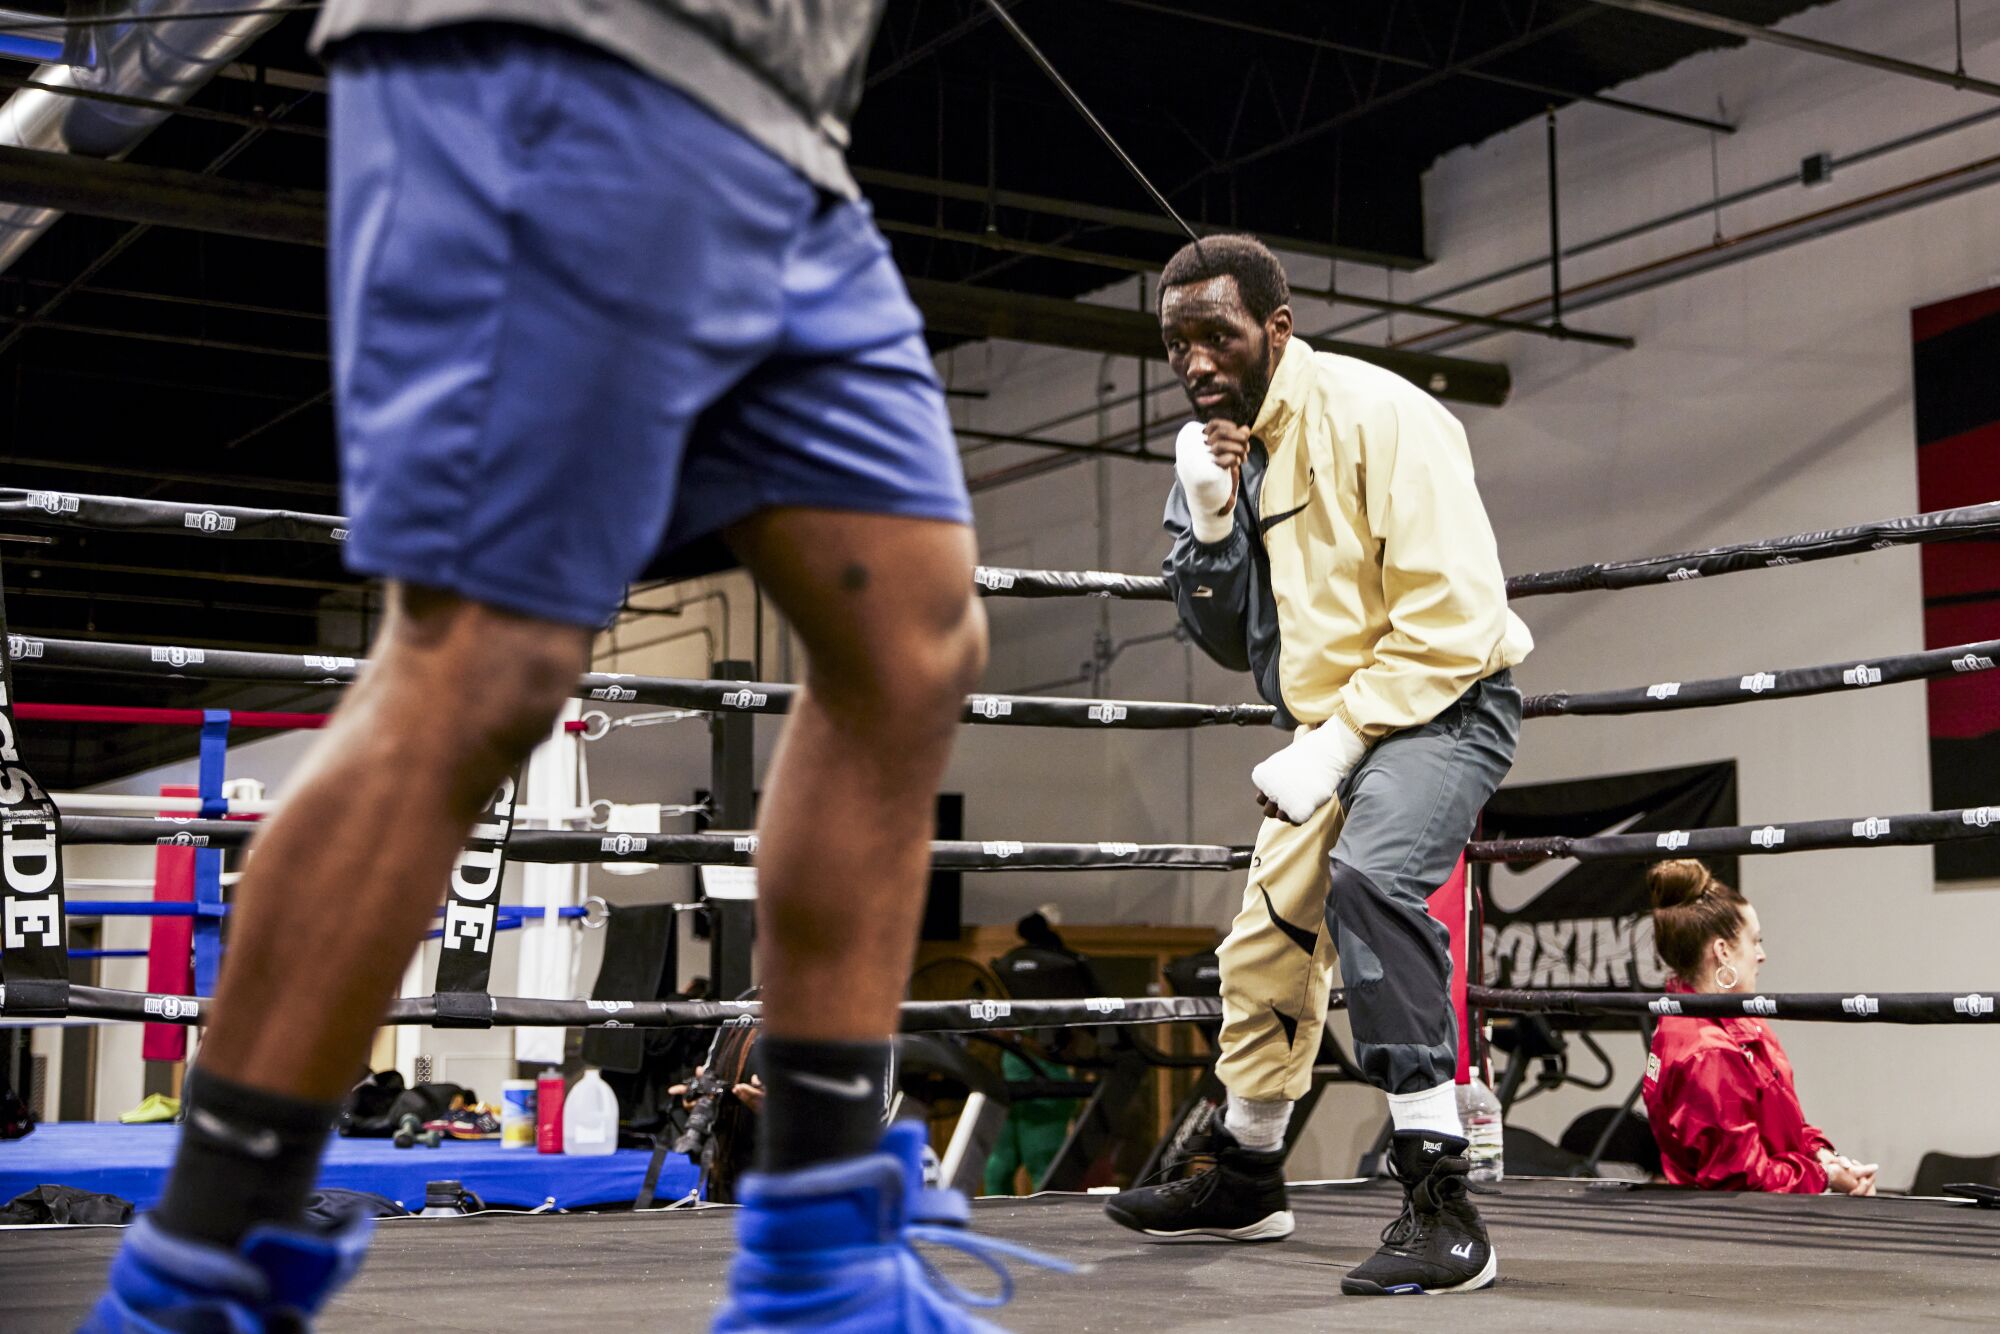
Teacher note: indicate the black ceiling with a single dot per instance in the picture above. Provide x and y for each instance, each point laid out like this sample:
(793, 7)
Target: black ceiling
(184, 366)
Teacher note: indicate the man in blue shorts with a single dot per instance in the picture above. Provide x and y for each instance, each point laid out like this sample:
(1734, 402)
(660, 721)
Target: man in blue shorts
(602, 286)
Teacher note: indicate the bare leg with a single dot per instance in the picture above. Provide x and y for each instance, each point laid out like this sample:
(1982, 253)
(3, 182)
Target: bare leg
(341, 886)
(894, 639)
(345, 880)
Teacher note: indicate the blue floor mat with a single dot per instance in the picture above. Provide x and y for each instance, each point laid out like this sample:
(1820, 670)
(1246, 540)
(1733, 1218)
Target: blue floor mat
(131, 1162)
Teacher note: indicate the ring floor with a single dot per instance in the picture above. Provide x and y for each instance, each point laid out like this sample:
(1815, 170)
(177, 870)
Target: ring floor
(1572, 1257)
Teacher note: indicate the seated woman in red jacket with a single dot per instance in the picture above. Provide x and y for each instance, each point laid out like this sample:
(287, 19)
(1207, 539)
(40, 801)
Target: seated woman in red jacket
(1719, 1091)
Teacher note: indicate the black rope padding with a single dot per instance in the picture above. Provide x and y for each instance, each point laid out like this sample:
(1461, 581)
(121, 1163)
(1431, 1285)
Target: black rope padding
(1971, 521)
(202, 664)
(1905, 1007)
(165, 516)
(1787, 683)
(1875, 831)
(570, 847)
(527, 1012)
(1005, 582)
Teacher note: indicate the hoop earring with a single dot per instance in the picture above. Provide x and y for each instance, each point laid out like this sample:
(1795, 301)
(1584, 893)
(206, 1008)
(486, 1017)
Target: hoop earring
(1721, 985)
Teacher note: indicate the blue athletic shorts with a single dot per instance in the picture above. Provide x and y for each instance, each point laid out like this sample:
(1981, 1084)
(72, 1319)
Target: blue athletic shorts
(579, 321)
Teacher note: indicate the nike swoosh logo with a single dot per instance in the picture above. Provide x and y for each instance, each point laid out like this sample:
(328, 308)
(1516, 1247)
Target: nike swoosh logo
(856, 1087)
(1269, 522)
(260, 1143)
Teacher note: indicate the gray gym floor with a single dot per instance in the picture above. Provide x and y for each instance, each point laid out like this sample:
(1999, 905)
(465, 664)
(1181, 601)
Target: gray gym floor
(1572, 1257)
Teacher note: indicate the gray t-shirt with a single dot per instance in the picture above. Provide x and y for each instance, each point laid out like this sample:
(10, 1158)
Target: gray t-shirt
(788, 73)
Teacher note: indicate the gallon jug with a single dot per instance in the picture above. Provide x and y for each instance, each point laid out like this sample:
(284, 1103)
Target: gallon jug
(590, 1116)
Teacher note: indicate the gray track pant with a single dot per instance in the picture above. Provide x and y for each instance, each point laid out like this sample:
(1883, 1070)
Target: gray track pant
(1352, 883)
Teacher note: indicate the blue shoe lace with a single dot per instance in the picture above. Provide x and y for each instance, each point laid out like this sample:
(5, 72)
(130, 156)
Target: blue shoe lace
(989, 1251)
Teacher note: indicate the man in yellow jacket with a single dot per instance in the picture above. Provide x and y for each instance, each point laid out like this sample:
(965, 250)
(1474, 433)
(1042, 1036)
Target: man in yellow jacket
(1329, 539)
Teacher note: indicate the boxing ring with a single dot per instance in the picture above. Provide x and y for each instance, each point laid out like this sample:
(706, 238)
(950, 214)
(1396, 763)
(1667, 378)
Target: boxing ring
(1667, 1259)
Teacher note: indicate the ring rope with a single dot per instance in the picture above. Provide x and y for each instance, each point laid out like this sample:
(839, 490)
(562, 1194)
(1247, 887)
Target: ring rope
(1786, 683)
(530, 1012)
(564, 847)
(1909, 1007)
(760, 697)
(231, 521)
(570, 847)
(1923, 1007)
(1874, 831)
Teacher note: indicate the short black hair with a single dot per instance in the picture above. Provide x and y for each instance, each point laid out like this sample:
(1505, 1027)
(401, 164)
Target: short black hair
(1258, 274)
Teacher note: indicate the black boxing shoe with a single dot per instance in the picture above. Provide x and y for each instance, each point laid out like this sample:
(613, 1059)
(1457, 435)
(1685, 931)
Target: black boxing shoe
(1438, 1243)
(1240, 1198)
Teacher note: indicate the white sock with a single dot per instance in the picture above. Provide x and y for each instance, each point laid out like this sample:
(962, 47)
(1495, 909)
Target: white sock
(1433, 1109)
(1257, 1124)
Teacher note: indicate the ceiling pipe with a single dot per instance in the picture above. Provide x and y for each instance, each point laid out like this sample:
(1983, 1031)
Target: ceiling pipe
(163, 52)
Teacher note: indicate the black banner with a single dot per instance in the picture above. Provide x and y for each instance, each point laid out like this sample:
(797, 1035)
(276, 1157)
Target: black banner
(1589, 924)
(1786, 683)
(34, 944)
(472, 902)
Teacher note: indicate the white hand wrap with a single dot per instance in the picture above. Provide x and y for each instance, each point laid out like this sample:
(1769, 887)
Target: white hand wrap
(1208, 487)
(1303, 776)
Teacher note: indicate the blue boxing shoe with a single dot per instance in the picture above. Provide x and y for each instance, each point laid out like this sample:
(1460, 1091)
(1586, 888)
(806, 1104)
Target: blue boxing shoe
(832, 1248)
(273, 1284)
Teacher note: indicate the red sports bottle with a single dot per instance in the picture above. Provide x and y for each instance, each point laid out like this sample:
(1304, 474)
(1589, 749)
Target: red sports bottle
(548, 1112)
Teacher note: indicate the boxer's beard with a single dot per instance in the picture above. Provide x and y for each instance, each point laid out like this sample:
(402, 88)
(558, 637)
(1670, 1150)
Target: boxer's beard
(1257, 384)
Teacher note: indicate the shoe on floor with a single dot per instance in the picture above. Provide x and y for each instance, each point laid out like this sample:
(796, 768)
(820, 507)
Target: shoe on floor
(273, 1283)
(1438, 1243)
(155, 1108)
(1240, 1198)
(829, 1248)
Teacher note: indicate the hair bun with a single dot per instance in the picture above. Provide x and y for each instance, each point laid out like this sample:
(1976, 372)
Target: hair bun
(1676, 883)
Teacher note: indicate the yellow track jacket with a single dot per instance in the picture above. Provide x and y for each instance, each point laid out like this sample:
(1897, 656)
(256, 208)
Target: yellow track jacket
(1361, 580)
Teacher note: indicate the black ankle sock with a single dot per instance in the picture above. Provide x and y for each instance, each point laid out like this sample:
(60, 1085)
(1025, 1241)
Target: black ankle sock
(823, 1100)
(246, 1158)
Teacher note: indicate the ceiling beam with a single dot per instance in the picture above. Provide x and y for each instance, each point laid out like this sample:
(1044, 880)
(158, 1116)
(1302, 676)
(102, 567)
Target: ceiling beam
(1075, 210)
(166, 197)
(1126, 264)
(1754, 32)
(162, 196)
(986, 312)
(1411, 62)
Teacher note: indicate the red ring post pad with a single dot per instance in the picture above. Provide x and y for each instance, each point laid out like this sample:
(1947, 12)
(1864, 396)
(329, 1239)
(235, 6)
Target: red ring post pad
(34, 946)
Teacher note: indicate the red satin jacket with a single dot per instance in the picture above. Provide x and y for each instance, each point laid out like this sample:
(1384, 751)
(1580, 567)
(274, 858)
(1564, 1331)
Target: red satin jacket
(1720, 1097)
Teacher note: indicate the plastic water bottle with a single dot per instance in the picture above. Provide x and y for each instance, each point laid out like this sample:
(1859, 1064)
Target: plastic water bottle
(590, 1116)
(1479, 1110)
